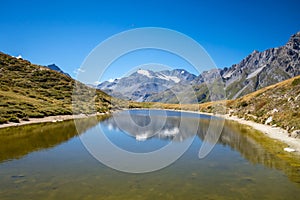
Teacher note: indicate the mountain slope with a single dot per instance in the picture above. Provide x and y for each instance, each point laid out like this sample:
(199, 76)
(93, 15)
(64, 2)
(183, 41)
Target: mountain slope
(256, 71)
(200, 85)
(28, 90)
(142, 84)
(278, 105)
(261, 69)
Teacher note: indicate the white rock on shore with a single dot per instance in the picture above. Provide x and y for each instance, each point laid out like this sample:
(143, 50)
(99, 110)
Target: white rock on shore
(289, 149)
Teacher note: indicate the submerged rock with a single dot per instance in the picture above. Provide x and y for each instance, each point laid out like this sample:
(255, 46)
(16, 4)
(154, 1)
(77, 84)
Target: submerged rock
(18, 176)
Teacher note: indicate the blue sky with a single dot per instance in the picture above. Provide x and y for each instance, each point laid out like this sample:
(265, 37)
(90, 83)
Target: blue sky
(64, 32)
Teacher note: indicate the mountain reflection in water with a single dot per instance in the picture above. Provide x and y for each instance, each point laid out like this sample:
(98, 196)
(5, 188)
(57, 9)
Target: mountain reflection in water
(235, 135)
(17, 142)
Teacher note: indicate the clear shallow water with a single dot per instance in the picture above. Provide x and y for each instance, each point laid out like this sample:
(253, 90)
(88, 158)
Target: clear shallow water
(48, 161)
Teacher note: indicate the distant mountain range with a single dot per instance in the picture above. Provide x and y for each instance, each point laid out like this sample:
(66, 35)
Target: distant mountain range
(142, 84)
(257, 70)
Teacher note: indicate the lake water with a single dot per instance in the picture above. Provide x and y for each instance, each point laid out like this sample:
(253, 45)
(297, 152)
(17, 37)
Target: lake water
(49, 161)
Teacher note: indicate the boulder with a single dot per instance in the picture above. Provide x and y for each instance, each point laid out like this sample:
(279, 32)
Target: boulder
(289, 149)
(295, 134)
(269, 120)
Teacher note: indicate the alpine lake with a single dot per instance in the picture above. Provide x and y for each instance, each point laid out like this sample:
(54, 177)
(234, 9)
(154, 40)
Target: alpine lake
(51, 161)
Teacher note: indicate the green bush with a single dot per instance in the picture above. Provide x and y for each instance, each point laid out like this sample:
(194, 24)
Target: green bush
(243, 104)
(35, 115)
(14, 119)
(3, 120)
(296, 82)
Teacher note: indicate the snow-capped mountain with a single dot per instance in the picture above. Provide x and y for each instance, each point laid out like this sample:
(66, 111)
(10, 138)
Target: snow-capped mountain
(143, 83)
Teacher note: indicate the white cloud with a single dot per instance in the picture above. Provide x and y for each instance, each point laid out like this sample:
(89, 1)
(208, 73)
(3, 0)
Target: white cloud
(78, 70)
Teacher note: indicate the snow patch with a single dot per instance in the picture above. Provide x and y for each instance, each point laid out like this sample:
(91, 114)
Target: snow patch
(174, 78)
(144, 72)
(228, 75)
(255, 72)
(165, 77)
(111, 80)
(182, 72)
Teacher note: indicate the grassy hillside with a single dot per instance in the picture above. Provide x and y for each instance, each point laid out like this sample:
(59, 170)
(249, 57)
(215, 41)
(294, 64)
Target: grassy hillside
(280, 101)
(31, 91)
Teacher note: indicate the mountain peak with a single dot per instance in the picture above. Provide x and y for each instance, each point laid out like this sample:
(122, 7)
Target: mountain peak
(144, 73)
(56, 68)
(294, 41)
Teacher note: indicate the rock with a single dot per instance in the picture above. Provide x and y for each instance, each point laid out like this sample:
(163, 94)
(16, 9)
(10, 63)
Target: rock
(269, 120)
(18, 176)
(289, 149)
(295, 134)
(274, 111)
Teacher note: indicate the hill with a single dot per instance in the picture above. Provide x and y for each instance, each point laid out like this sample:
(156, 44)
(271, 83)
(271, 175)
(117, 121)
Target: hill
(277, 105)
(31, 91)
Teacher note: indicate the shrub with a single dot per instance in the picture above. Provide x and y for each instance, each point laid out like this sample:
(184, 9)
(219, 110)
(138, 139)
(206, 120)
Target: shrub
(243, 104)
(4, 88)
(14, 119)
(35, 115)
(296, 82)
(3, 120)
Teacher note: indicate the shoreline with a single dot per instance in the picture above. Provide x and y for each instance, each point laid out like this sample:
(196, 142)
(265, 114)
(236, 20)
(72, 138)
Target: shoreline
(275, 133)
(57, 118)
